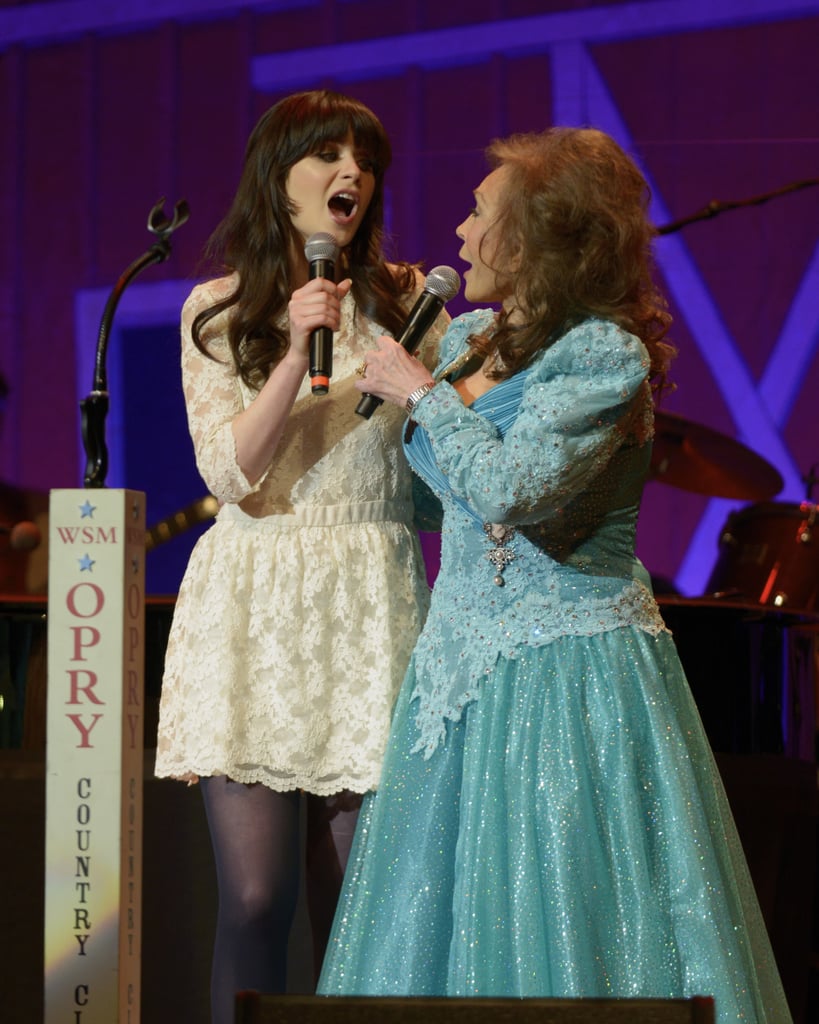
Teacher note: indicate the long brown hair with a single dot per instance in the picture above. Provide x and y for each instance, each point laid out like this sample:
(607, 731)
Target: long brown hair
(573, 221)
(256, 237)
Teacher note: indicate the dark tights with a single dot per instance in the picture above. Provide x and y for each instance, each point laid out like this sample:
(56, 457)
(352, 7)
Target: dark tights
(256, 845)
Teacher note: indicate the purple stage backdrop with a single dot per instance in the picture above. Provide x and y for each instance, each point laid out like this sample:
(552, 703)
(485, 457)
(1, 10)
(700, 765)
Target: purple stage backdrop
(108, 107)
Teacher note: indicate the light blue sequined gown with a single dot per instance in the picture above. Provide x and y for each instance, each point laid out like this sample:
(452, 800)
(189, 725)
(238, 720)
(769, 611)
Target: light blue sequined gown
(549, 821)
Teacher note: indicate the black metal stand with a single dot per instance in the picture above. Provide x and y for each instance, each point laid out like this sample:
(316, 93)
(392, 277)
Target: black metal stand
(717, 206)
(94, 408)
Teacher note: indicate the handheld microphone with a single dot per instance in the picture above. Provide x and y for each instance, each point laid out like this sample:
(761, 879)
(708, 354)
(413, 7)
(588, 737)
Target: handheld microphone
(442, 284)
(321, 251)
(22, 536)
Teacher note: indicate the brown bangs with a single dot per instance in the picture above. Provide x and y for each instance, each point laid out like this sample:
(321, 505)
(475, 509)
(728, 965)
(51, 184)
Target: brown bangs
(316, 119)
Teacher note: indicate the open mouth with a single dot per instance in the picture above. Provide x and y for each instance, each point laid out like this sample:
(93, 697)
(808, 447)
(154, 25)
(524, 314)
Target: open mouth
(343, 207)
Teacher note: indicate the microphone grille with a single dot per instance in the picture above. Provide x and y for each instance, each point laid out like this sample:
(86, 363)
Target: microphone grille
(443, 282)
(321, 246)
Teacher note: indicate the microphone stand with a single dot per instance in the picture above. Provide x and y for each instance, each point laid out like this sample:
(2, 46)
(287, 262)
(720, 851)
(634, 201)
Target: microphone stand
(811, 480)
(717, 206)
(94, 408)
(720, 206)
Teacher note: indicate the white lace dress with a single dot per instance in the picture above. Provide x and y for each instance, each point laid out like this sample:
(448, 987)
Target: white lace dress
(301, 604)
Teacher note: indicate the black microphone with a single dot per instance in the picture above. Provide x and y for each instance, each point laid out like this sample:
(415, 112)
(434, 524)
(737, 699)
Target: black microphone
(321, 251)
(22, 536)
(442, 284)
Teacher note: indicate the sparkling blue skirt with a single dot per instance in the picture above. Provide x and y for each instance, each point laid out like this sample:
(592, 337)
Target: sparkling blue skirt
(570, 839)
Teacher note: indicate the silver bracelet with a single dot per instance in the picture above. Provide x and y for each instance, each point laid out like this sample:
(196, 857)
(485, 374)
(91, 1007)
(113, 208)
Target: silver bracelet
(416, 396)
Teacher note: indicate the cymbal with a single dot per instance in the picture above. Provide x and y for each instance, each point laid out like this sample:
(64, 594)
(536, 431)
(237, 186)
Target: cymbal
(696, 458)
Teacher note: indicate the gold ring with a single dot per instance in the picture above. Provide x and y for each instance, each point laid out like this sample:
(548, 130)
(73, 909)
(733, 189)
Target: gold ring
(361, 371)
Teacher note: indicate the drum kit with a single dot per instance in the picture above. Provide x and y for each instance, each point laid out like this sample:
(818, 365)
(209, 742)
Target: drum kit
(768, 551)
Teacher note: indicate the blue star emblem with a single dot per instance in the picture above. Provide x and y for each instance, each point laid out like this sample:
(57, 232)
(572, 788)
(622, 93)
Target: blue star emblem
(87, 510)
(86, 563)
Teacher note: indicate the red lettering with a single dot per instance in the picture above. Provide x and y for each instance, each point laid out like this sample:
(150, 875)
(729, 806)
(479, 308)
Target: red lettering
(84, 636)
(134, 643)
(133, 690)
(84, 731)
(85, 591)
(134, 601)
(75, 689)
(133, 722)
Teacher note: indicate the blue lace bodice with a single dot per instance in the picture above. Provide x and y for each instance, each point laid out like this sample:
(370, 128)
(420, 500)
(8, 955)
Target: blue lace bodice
(540, 481)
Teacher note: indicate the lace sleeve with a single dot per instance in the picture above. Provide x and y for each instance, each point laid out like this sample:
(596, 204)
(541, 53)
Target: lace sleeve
(579, 403)
(213, 397)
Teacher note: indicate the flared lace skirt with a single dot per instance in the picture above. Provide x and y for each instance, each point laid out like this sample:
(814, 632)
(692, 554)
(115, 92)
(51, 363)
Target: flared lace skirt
(287, 649)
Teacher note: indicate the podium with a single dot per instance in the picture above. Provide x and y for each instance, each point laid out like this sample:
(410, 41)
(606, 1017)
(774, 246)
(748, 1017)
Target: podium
(94, 757)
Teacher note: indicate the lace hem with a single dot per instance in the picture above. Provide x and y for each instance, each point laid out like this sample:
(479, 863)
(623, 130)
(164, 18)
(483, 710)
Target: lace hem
(281, 782)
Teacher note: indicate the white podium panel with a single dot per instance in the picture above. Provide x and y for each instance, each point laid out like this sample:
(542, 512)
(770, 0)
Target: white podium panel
(94, 756)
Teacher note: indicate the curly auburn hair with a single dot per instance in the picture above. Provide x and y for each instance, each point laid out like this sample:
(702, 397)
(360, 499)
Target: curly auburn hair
(256, 238)
(573, 222)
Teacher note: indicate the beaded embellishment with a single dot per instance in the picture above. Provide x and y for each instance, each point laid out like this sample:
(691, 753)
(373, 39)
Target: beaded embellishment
(500, 556)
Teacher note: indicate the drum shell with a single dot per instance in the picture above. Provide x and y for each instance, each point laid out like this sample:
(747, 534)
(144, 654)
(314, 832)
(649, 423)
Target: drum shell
(753, 673)
(769, 554)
